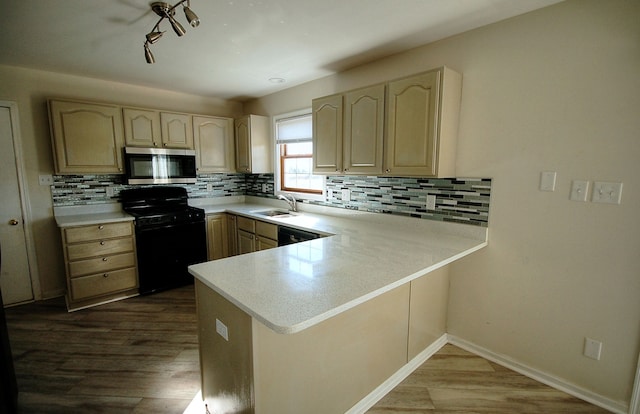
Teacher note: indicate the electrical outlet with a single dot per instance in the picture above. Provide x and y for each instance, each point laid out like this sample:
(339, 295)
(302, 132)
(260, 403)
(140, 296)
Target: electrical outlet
(209, 187)
(547, 181)
(264, 188)
(610, 193)
(222, 330)
(592, 348)
(346, 195)
(579, 190)
(110, 191)
(431, 202)
(45, 179)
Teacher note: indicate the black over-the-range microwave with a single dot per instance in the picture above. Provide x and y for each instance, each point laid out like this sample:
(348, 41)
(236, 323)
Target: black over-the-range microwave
(159, 166)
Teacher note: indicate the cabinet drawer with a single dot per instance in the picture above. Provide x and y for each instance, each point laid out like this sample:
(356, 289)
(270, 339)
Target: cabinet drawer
(267, 230)
(101, 264)
(103, 283)
(98, 232)
(246, 224)
(99, 248)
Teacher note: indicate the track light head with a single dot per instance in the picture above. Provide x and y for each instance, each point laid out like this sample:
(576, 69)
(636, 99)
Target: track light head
(192, 18)
(167, 11)
(148, 55)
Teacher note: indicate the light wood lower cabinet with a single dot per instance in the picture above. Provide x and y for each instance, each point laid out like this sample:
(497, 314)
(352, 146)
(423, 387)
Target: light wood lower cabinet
(100, 262)
(256, 235)
(217, 236)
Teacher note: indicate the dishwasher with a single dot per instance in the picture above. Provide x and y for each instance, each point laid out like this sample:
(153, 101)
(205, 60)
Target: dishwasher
(289, 235)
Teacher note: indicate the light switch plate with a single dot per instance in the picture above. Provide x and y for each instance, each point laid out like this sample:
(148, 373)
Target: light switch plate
(603, 192)
(548, 181)
(579, 189)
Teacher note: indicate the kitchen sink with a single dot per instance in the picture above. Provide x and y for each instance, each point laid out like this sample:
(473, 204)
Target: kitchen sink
(275, 213)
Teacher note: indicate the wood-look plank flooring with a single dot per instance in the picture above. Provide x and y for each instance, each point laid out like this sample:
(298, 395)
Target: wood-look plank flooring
(455, 381)
(140, 355)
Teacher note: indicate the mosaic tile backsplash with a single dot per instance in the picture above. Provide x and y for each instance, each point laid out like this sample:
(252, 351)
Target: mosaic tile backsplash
(461, 200)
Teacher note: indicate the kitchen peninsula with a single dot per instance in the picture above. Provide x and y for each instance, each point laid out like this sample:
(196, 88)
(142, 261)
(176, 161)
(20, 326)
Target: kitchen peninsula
(316, 327)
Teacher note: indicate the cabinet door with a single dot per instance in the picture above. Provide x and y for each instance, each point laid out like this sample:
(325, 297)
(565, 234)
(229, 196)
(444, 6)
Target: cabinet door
(246, 242)
(87, 137)
(217, 244)
(213, 138)
(177, 130)
(263, 243)
(412, 111)
(232, 234)
(327, 134)
(363, 130)
(243, 144)
(141, 127)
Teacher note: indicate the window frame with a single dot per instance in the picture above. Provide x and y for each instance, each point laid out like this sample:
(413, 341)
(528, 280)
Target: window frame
(279, 160)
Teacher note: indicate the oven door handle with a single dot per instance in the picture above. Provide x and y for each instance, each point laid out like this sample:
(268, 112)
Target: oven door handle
(168, 226)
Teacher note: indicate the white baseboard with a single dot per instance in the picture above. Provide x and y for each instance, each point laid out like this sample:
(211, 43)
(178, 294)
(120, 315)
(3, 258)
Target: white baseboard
(540, 376)
(384, 388)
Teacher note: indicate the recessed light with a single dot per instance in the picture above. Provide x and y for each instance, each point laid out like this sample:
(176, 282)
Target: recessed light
(276, 80)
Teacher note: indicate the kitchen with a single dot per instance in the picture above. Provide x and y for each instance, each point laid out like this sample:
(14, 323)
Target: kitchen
(512, 298)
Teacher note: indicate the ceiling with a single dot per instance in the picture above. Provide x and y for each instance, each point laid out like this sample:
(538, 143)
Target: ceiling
(240, 44)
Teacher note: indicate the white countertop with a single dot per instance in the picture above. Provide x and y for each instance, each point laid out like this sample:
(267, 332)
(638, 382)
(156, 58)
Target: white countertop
(294, 287)
(291, 288)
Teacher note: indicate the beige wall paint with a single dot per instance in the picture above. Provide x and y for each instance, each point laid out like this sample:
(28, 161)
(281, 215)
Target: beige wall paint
(30, 89)
(557, 89)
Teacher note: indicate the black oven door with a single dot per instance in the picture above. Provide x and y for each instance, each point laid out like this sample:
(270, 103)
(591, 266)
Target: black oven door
(165, 252)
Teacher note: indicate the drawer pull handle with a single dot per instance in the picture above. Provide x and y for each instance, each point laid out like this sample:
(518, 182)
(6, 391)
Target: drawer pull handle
(104, 259)
(100, 227)
(102, 243)
(105, 275)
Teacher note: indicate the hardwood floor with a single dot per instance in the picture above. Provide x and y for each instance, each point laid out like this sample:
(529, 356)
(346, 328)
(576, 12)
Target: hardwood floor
(456, 381)
(140, 355)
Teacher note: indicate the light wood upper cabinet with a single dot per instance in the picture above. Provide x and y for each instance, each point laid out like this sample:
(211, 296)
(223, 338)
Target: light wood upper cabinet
(253, 145)
(141, 127)
(422, 124)
(177, 130)
(363, 130)
(87, 137)
(213, 138)
(151, 128)
(327, 116)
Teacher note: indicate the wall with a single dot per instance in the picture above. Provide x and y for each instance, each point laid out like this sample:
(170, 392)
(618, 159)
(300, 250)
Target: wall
(552, 90)
(30, 89)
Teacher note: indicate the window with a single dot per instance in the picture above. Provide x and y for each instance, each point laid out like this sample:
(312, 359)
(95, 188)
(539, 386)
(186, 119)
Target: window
(294, 156)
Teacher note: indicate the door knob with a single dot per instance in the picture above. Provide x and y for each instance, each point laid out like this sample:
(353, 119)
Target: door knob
(14, 222)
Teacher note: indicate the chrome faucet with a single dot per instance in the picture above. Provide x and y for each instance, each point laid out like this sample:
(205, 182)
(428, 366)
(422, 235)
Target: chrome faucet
(293, 205)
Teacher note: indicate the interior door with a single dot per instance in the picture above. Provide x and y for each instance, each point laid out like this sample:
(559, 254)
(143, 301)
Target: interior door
(15, 277)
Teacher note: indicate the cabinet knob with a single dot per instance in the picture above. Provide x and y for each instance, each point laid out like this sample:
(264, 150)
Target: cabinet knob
(387, 170)
(13, 222)
(105, 275)
(101, 227)
(102, 243)
(104, 259)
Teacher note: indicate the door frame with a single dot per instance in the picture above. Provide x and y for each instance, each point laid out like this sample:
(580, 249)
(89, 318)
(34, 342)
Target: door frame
(25, 205)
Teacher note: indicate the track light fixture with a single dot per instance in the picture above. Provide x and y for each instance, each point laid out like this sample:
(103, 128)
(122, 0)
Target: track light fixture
(167, 11)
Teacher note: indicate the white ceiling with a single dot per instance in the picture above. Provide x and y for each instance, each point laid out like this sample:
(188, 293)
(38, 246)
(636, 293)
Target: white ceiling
(239, 45)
